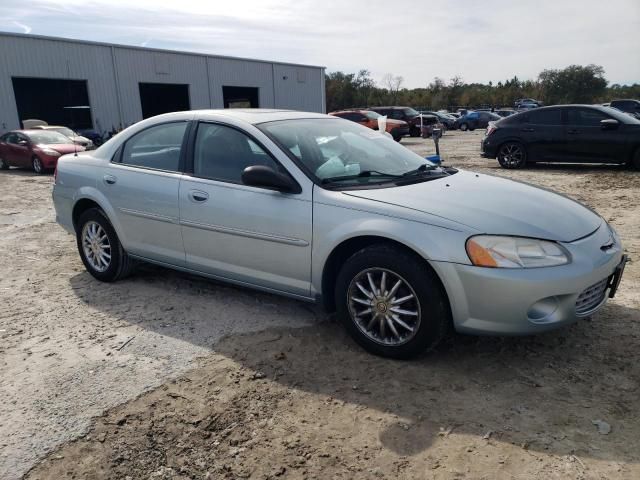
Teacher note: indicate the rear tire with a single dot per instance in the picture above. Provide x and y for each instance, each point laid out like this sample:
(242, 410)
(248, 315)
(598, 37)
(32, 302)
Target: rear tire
(397, 138)
(37, 166)
(3, 165)
(100, 248)
(409, 311)
(512, 155)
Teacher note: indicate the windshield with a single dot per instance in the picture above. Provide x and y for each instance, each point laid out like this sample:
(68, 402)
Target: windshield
(372, 115)
(48, 138)
(410, 112)
(331, 149)
(65, 131)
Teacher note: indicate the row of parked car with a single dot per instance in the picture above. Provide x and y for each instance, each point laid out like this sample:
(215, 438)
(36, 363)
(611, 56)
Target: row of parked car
(401, 121)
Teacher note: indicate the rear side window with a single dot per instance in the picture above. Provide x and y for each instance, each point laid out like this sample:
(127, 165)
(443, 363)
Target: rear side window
(545, 117)
(157, 147)
(585, 117)
(222, 153)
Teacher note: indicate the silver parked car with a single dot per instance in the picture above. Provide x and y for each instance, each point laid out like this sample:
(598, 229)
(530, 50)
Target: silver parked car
(325, 210)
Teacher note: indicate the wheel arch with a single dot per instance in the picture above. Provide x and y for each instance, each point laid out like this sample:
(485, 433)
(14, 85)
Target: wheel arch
(91, 198)
(348, 247)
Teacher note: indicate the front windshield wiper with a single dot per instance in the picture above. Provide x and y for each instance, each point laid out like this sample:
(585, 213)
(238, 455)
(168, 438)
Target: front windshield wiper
(425, 167)
(363, 174)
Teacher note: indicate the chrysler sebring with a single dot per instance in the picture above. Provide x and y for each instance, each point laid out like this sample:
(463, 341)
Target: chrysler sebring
(324, 210)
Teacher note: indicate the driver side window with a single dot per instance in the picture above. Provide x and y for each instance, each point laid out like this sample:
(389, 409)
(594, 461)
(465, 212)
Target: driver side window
(222, 153)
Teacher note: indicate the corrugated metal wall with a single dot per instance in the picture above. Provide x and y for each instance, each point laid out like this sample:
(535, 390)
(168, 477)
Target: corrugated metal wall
(113, 74)
(28, 57)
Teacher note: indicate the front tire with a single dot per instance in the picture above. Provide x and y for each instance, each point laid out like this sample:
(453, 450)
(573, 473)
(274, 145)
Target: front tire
(99, 247)
(37, 166)
(3, 165)
(464, 127)
(512, 155)
(391, 302)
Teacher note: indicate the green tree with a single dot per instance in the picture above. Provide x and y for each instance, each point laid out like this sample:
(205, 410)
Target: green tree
(573, 84)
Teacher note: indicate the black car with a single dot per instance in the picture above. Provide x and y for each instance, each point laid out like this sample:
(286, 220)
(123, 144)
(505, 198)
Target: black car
(446, 120)
(564, 133)
(632, 107)
(408, 114)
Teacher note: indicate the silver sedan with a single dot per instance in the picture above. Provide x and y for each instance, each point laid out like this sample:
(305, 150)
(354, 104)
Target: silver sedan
(325, 210)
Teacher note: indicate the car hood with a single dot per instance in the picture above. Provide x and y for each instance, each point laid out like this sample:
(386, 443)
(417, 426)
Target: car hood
(63, 147)
(493, 205)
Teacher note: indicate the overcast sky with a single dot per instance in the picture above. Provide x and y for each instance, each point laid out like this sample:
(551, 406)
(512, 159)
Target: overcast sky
(480, 40)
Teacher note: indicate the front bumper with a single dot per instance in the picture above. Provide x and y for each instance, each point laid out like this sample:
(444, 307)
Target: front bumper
(487, 150)
(48, 161)
(497, 301)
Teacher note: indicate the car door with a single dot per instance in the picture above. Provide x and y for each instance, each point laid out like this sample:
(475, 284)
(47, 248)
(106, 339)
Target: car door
(142, 183)
(543, 134)
(19, 150)
(588, 141)
(246, 234)
(6, 147)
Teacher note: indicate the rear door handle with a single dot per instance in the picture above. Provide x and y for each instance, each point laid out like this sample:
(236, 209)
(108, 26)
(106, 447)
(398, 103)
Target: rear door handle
(573, 132)
(527, 130)
(109, 179)
(198, 196)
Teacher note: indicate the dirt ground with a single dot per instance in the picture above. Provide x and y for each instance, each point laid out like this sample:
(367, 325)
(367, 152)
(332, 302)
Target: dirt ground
(167, 376)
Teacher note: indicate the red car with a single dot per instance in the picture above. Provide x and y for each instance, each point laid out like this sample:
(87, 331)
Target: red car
(36, 149)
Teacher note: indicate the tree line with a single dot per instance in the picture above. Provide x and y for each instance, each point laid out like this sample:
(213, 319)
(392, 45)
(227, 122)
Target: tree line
(573, 84)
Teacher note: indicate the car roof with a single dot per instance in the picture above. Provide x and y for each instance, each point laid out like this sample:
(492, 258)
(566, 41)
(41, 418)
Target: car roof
(349, 110)
(256, 115)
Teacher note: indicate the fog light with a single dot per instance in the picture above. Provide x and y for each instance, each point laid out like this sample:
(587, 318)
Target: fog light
(540, 311)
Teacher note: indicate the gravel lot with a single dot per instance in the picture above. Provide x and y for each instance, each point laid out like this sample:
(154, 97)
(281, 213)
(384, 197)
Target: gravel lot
(165, 375)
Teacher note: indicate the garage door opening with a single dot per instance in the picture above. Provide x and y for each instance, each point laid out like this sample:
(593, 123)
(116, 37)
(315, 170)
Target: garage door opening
(158, 98)
(240, 97)
(56, 101)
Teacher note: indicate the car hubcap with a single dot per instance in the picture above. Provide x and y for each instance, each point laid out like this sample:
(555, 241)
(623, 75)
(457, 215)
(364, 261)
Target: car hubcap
(37, 166)
(96, 246)
(511, 155)
(384, 306)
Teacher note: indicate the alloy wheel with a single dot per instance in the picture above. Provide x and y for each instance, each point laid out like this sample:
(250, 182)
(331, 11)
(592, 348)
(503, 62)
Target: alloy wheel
(384, 306)
(511, 155)
(37, 165)
(96, 246)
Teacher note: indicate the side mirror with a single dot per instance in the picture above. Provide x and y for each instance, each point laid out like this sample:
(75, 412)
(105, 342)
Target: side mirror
(267, 177)
(609, 124)
(23, 143)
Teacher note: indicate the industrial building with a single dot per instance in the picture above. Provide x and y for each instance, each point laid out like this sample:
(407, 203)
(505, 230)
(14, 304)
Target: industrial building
(90, 85)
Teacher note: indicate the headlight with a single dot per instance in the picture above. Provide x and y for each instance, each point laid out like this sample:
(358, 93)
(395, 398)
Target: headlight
(50, 152)
(514, 252)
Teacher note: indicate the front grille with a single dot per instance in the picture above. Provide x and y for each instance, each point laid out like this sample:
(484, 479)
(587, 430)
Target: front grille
(591, 297)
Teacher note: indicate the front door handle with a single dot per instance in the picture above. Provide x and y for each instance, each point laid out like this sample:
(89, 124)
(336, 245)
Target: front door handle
(527, 130)
(198, 196)
(573, 132)
(109, 179)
